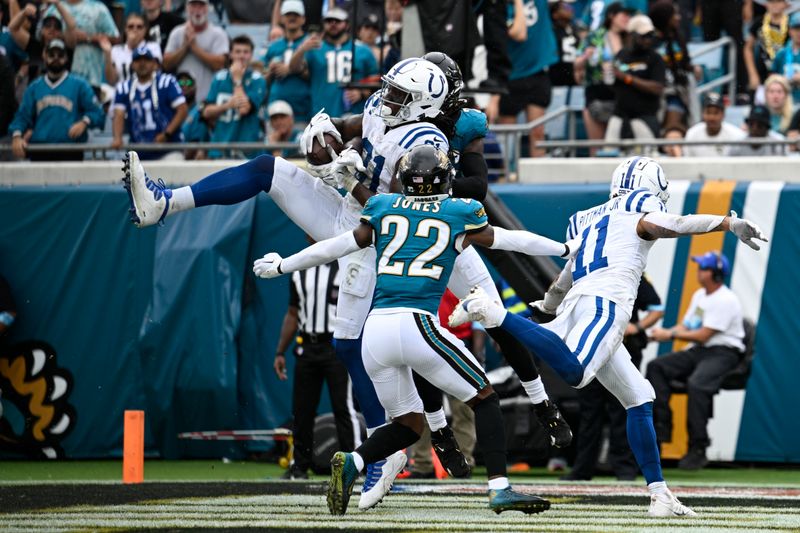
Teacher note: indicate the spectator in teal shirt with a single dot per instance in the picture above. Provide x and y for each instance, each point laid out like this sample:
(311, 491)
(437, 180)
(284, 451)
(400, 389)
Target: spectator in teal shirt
(234, 98)
(283, 85)
(787, 60)
(330, 64)
(282, 129)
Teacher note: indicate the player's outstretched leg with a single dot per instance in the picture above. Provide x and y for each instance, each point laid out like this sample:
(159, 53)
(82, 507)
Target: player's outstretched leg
(152, 201)
(477, 306)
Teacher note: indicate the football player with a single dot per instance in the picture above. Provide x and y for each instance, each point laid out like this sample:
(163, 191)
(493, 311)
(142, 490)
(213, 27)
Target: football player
(594, 295)
(418, 236)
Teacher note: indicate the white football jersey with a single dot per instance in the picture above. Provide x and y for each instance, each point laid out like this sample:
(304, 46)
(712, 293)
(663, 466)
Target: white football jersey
(381, 149)
(612, 256)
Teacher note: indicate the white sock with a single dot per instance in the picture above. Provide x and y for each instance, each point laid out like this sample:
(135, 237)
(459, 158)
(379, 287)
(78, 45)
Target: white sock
(535, 390)
(498, 483)
(495, 315)
(358, 460)
(436, 420)
(182, 200)
(657, 487)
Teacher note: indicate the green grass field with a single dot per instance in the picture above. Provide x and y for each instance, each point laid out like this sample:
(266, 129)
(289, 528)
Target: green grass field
(177, 495)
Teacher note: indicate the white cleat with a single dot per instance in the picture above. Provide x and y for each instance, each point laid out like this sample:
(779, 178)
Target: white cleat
(149, 199)
(477, 307)
(393, 466)
(666, 505)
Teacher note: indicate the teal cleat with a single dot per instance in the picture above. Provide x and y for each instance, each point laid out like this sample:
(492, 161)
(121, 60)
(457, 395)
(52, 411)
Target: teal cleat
(508, 500)
(340, 487)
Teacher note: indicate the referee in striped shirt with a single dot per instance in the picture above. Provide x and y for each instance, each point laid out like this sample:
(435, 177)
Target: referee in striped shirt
(312, 309)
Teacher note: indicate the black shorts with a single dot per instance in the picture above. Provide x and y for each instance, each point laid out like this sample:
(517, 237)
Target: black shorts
(531, 90)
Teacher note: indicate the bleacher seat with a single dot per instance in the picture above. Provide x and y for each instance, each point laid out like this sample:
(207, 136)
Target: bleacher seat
(736, 114)
(712, 62)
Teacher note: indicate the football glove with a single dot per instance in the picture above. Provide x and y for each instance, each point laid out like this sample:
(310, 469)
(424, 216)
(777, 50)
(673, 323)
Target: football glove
(746, 231)
(347, 165)
(268, 266)
(320, 125)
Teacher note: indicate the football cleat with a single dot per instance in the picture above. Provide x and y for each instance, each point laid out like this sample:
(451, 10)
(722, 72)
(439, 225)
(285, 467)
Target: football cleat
(343, 476)
(551, 420)
(509, 500)
(372, 475)
(477, 307)
(392, 466)
(666, 505)
(149, 199)
(446, 447)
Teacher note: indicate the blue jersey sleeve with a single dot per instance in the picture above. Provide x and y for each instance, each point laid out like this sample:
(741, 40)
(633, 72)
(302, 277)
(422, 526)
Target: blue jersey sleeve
(23, 118)
(170, 90)
(425, 133)
(572, 227)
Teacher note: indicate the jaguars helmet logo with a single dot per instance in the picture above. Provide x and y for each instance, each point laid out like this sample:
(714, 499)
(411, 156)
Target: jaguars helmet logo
(35, 414)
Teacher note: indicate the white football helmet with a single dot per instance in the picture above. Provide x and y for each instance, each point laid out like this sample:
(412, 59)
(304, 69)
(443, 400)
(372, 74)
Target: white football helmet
(639, 173)
(417, 88)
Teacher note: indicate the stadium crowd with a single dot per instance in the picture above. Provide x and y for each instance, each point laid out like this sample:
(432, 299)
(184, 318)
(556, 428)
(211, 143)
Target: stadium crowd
(202, 71)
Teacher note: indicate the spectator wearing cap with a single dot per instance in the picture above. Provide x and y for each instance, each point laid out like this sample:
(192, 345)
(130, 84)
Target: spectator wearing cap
(283, 85)
(93, 24)
(532, 49)
(119, 56)
(160, 22)
(714, 324)
(712, 128)
(594, 68)
(56, 108)
(758, 127)
(787, 60)
(640, 75)
(282, 128)
(329, 62)
(150, 104)
(30, 39)
(197, 47)
(768, 35)
(595, 12)
(235, 96)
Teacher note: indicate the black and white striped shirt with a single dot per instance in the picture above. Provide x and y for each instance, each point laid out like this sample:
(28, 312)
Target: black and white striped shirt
(314, 292)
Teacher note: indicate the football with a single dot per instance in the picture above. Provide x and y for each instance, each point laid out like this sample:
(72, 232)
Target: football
(320, 155)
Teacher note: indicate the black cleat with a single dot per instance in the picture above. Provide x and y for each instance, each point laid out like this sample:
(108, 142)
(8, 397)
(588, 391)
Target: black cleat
(551, 420)
(446, 447)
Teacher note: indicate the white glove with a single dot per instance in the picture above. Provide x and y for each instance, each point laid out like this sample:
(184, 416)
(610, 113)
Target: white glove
(320, 125)
(347, 165)
(746, 231)
(268, 266)
(541, 306)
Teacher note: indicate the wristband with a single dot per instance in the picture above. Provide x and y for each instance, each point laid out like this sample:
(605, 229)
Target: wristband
(672, 335)
(280, 354)
(628, 79)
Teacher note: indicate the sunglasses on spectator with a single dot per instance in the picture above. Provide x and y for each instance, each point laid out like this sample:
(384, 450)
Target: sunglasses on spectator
(185, 83)
(56, 53)
(134, 27)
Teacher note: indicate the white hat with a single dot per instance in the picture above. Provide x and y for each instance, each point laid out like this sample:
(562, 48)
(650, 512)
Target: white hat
(293, 6)
(336, 13)
(280, 107)
(641, 25)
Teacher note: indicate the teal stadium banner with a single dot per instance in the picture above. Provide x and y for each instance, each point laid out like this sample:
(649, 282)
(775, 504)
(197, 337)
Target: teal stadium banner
(172, 321)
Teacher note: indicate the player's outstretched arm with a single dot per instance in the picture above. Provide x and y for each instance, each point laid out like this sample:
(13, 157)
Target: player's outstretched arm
(556, 292)
(474, 181)
(658, 225)
(520, 241)
(273, 265)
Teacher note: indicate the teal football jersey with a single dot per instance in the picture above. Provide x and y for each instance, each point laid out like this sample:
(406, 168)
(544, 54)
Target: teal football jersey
(415, 245)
